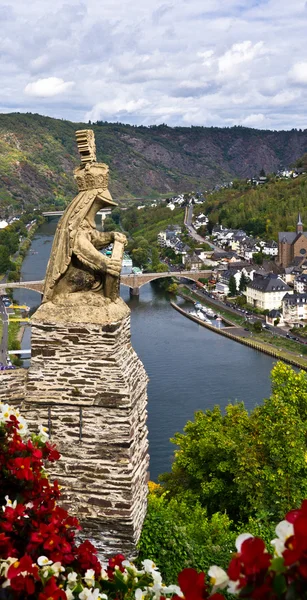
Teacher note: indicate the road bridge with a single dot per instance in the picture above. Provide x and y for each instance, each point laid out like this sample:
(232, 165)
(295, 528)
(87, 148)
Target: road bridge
(133, 281)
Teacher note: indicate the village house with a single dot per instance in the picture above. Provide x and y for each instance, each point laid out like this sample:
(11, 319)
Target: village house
(275, 318)
(300, 284)
(266, 292)
(294, 308)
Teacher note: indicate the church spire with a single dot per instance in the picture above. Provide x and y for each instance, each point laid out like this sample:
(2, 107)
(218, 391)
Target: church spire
(299, 225)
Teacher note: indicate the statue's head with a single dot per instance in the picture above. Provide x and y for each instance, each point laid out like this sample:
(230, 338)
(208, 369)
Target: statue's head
(92, 176)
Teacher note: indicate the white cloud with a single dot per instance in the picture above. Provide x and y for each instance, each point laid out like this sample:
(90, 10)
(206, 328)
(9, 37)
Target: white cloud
(115, 107)
(244, 52)
(298, 73)
(45, 88)
(188, 62)
(254, 120)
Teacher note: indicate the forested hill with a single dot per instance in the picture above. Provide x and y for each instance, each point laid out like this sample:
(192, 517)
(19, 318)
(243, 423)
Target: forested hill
(261, 210)
(38, 154)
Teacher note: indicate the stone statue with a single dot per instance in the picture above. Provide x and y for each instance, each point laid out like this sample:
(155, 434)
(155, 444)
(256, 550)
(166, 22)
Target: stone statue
(75, 264)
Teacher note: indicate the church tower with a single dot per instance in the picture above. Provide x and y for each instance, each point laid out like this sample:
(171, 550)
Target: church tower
(299, 225)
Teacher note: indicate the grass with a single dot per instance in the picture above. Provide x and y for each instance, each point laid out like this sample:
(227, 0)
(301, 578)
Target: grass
(13, 331)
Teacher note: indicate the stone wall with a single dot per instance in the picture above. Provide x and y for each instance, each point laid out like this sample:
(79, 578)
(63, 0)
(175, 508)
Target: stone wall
(13, 386)
(89, 388)
(87, 385)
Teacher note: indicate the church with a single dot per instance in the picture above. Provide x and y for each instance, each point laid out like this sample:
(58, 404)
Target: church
(292, 244)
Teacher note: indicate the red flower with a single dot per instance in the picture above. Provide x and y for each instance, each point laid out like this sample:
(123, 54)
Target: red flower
(87, 559)
(51, 452)
(22, 468)
(52, 591)
(192, 584)
(115, 561)
(23, 574)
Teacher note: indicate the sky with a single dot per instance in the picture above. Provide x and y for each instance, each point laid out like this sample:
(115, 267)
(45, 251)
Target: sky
(187, 62)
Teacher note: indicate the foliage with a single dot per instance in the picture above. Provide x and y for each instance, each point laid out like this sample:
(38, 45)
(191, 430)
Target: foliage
(232, 286)
(257, 326)
(173, 288)
(261, 210)
(246, 463)
(258, 258)
(243, 282)
(177, 535)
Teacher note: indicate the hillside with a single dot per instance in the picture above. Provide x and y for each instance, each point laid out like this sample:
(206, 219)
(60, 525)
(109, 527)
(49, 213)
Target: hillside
(261, 210)
(38, 154)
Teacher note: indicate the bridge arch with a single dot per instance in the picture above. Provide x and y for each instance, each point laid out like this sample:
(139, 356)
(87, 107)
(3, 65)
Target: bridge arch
(135, 282)
(34, 286)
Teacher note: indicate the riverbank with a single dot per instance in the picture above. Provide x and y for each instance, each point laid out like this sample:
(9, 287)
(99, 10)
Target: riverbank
(299, 362)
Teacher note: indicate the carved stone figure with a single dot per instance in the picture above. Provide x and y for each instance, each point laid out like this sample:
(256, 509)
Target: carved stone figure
(76, 265)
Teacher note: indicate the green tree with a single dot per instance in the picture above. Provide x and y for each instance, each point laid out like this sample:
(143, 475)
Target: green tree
(258, 258)
(232, 286)
(173, 288)
(162, 268)
(257, 326)
(243, 282)
(5, 262)
(243, 463)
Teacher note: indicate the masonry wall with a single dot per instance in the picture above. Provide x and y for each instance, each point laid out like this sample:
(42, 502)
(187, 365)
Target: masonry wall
(89, 388)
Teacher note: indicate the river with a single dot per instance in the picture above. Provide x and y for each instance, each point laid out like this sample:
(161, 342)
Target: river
(190, 367)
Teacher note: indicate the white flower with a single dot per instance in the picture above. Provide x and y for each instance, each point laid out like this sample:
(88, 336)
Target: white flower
(157, 577)
(89, 578)
(9, 503)
(69, 594)
(241, 538)
(42, 561)
(6, 412)
(72, 579)
(283, 530)
(43, 433)
(218, 577)
(103, 574)
(172, 589)
(57, 568)
(149, 566)
(139, 594)
(22, 427)
(4, 567)
(87, 594)
(129, 565)
(233, 587)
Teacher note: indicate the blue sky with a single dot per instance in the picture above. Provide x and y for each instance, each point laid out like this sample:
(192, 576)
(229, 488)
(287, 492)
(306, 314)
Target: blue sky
(193, 62)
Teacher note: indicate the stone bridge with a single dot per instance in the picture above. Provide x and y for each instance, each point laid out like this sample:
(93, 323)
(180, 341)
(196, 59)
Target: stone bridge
(133, 281)
(35, 286)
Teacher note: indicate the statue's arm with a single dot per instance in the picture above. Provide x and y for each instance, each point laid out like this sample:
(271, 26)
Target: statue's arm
(89, 256)
(100, 239)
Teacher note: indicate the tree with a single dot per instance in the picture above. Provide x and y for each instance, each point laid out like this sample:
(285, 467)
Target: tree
(246, 463)
(5, 262)
(258, 258)
(243, 282)
(232, 286)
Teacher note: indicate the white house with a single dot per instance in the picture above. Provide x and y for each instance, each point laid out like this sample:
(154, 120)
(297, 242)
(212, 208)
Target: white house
(300, 284)
(266, 292)
(294, 308)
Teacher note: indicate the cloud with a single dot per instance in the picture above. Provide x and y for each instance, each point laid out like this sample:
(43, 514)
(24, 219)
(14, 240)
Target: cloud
(298, 73)
(230, 63)
(189, 62)
(254, 120)
(51, 86)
